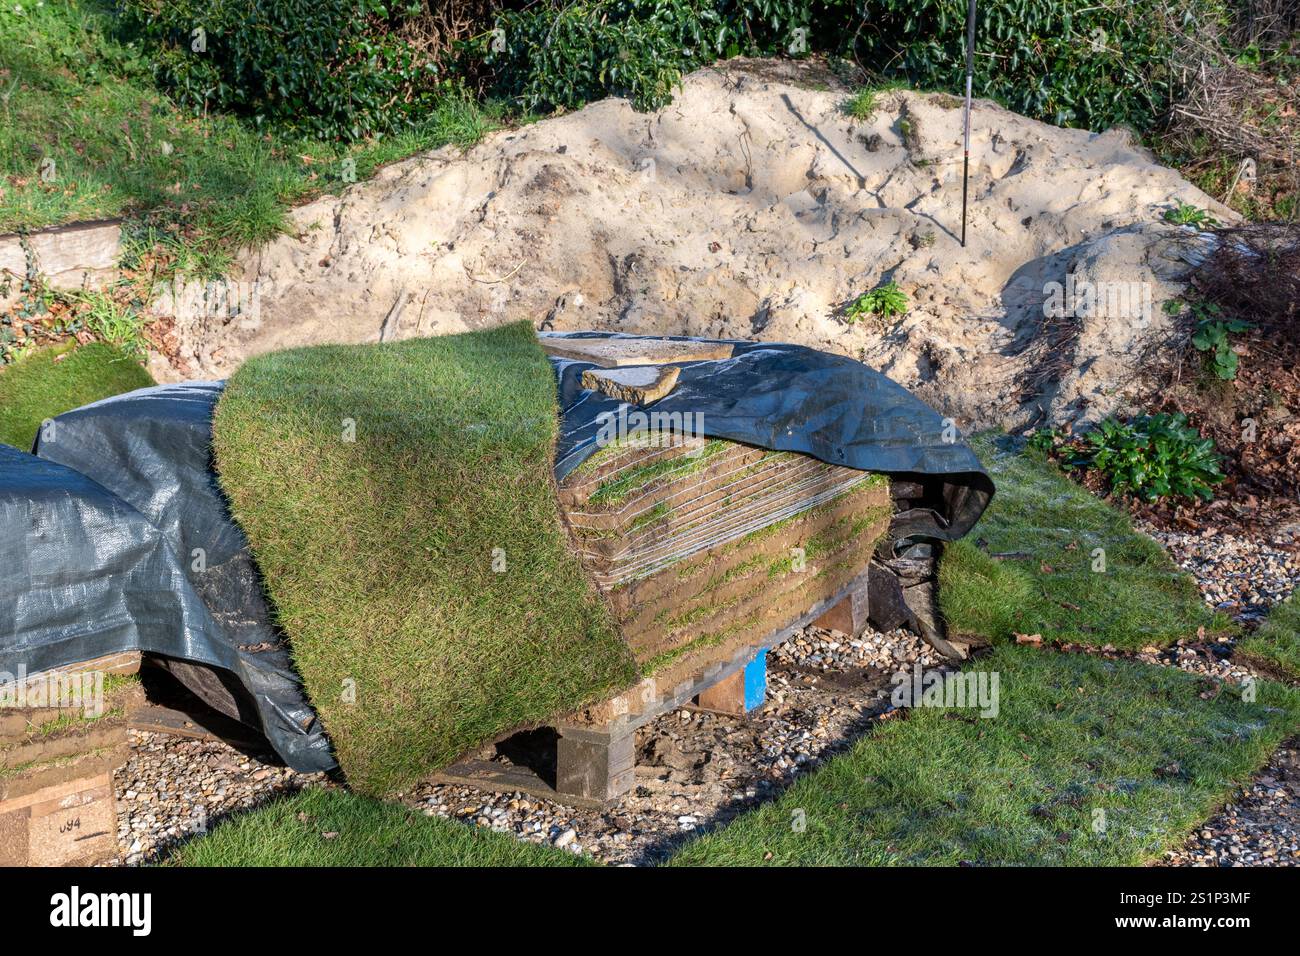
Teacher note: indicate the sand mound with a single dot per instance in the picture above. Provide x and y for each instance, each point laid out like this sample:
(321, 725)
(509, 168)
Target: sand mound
(753, 207)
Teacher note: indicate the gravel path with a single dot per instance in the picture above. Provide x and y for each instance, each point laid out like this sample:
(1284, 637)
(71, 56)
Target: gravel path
(1260, 827)
(1240, 576)
(173, 788)
(1244, 578)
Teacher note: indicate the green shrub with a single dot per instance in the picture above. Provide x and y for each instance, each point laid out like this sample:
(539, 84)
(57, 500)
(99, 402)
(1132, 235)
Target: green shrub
(549, 56)
(1069, 62)
(330, 68)
(345, 68)
(1153, 456)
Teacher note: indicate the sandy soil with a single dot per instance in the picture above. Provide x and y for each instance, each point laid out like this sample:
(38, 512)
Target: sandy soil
(752, 207)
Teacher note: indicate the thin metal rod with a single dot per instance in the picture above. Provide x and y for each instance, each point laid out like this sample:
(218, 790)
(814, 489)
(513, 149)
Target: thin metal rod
(970, 74)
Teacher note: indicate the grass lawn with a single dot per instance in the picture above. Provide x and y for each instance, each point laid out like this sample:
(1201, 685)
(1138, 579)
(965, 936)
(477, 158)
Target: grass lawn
(1090, 762)
(419, 565)
(361, 832)
(55, 380)
(1276, 645)
(84, 134)
(1051, 579)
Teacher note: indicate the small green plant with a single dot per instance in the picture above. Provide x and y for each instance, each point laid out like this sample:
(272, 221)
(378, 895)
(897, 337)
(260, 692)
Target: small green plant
(1045, 440)
(1152, 457)
(109, 321)
(884, 300)
(861, 105)
(1185, 214)
(1211, 335)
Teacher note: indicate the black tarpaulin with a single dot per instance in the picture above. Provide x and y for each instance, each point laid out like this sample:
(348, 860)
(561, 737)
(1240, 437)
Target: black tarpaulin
(793, 398)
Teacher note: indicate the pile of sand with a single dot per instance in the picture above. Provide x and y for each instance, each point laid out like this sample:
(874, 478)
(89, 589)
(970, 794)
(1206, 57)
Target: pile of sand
(753, 207)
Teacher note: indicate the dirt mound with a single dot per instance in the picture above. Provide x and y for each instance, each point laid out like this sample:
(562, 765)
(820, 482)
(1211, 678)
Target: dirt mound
(754, 207)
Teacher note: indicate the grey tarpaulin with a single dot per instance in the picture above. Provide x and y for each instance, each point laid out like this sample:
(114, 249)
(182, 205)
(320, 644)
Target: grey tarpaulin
(152, 449)
(793, 398)
(83, 574)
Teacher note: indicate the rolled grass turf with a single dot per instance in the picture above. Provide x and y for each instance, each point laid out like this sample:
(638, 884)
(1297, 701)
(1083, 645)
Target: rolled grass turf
(1088, 762)
(400, 502)
(335, 828)
(1275, 646)
(59, 379)
(1049, 558)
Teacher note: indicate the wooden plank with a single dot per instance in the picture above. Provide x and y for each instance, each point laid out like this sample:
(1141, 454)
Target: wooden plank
(208, 726)
(638, 384)
(509, 778)
(591, 765)
(60, 772)
(74, 823)
(740, 692)
(849, 615)
(616, 352)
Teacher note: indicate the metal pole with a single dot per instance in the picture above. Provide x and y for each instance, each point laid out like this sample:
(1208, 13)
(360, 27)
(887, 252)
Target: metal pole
(970, 73)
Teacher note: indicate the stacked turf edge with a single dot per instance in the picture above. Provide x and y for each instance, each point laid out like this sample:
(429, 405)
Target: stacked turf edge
(401, 504)
(703, 549)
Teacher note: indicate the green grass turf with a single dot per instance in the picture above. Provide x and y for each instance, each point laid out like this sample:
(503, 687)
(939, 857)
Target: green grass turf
(1276, 645)
(79, 104)
(364, 832)
(1089, 762)
(1048, 528)
(378, 552)
(55, 380)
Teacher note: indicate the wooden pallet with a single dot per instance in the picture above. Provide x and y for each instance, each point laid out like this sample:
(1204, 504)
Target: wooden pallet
(595, 761)
(56, 770)
(73, 823)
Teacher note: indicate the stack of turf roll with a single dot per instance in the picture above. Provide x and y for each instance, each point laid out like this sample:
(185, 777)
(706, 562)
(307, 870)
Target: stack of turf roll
(62, 734)
(703, 546)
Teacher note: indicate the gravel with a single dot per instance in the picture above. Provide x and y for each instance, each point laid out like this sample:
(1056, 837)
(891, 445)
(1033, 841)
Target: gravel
(1240, 576)
(173, 788)
(1244, 578)
(1259, 827)
(697, 769)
